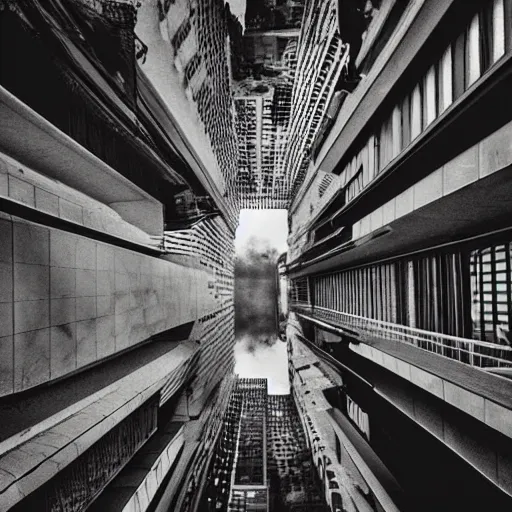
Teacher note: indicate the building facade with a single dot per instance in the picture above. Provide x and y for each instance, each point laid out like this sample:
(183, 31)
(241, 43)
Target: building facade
(262, 460)
(292, 482)
(400, 246)
(116, 309)
(264, 67)
(237, 478)
(321, 58)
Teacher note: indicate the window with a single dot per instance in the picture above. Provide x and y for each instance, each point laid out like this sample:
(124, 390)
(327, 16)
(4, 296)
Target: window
(498, 30)
(396, 132)
(459, 65)
(338, 448)
(491, 283)
(473, 54)
(355, 185)
(416, 112)
(406, 121)
(430, 108)
(446, 81)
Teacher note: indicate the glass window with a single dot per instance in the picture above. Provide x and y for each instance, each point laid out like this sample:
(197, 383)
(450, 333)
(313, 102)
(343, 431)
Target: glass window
(445, 81)
(498, 28)
(406, 122)
(459, 66)
(491, 283)
(430, 103)
(396, 132)
(473, 52)
(416, 112)
(338, 448)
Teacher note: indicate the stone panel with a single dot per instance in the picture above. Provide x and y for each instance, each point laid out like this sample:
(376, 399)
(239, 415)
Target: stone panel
(31, 359)
(30, 315)
(70, 211)
(63, 349)
(464, 400)
(62, 282)
(62, 311)
(427, 381)
(5, 281)
(21, 191)
(404, 203)
(62, 249)
(85, 342)
(47, 202)
(495, 151)
(428, 189)
(6, 365)
(31, 282)
(461, 171)
(6, 318)
(6, 241)
(31, 243)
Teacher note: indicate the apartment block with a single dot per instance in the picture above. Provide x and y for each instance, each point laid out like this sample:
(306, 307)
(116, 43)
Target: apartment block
(116, 344)
(400, 247)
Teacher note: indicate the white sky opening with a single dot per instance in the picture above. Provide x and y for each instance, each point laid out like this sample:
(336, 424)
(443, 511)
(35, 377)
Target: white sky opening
(263, 228)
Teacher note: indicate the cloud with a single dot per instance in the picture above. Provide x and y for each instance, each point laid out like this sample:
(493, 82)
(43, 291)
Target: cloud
(260, 239)
(256, 292)
(256, 360)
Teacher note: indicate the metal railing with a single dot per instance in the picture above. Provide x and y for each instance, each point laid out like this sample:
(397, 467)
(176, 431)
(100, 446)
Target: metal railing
(477, 353)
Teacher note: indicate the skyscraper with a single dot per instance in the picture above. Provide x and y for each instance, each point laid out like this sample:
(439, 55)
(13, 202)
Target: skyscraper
(264, 71)
(116, 335)
(131, 134)
(262, 460)
(399, 257)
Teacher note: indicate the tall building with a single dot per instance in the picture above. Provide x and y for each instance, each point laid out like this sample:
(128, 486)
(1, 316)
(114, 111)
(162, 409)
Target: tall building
(264, 70)
(237, 478)
(187, 72)
(292, 482)
(262, 460)
(399, 260)
(321, 58)
(131, 134)
(116, 273)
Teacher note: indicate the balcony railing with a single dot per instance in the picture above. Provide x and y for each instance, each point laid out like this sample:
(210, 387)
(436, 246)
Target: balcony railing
(480, 354)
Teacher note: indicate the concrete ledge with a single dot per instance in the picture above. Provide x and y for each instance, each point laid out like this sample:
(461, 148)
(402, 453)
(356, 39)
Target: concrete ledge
(48, 150)
(34, 462)
(483, 409)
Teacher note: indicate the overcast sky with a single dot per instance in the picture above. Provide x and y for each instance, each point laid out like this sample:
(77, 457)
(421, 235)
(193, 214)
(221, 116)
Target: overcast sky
(252, 360)
(238, 9)
(266, 225)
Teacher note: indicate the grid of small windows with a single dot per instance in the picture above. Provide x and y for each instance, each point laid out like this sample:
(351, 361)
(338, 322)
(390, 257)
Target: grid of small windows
(212, 418)
(290, 466)
(262, 130)
(215, 333)
(491, 292)
(319, 64)
(207, 75)
(240, 451)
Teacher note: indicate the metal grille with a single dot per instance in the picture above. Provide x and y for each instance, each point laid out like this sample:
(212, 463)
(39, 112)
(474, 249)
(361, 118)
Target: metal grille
(74, 488)
(480, 354)
(299, 290)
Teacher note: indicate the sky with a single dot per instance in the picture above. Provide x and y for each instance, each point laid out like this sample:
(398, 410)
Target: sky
(266, 226)
(238, 9)
(257, 355)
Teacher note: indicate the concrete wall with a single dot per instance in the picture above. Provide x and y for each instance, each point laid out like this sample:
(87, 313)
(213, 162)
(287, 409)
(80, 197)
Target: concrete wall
(23, 185)
(67, 301)
(490, 155)
(492, 458)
